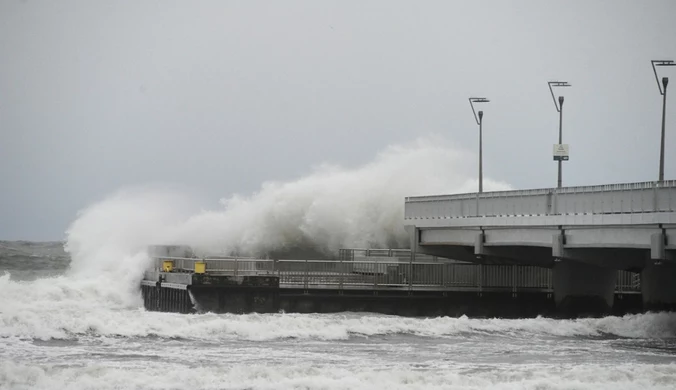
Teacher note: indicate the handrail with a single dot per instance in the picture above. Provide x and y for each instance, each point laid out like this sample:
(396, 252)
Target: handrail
(210, 258)
(541, 191)
(629, 198)
(379, 275)
(354, 262)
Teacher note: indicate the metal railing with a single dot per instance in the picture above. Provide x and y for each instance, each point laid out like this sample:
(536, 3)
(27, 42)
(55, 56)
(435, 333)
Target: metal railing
(628, 281)
(230, 266)
(626, 198)
(357, 254)
(382, 275)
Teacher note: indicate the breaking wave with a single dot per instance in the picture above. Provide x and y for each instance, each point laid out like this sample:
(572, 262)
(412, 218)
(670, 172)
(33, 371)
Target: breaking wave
(331, 208)
(306, 376)
(63, 323)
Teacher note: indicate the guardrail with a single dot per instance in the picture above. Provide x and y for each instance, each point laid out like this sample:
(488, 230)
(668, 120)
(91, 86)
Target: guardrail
(385, 274)
(605, 199)
(352, 254)
(233, 266)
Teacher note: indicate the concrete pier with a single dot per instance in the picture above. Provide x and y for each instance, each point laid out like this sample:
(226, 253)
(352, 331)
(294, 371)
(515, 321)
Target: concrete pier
(387, 281)
(212, 293)
(173, 298)
(583, 289)
(231, 294)
(453, 304)
(658, 286)
(217, 299)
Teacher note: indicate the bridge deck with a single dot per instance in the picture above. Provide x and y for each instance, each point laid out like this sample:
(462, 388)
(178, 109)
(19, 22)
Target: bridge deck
(621, 226)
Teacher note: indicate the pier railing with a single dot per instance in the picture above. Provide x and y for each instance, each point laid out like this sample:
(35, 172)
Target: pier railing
(625, 198)
(231, 266)
(383, 273)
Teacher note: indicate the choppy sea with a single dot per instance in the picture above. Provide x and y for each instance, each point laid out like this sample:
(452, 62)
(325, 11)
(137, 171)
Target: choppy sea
(65, 327)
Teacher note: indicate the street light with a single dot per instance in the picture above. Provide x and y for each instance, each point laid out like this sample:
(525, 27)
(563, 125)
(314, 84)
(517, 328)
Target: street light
(479, 121)
(560, 150)
(663, 92)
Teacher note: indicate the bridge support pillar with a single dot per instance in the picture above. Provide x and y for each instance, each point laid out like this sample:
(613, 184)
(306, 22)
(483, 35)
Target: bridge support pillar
(658, 286)
(413, 237)
(582, 289)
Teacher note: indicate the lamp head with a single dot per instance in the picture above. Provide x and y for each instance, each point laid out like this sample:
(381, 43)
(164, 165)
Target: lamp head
(664, 62)
(665, 81)
(481, 115)
(479, 100)
(559, 84)
(560, 101)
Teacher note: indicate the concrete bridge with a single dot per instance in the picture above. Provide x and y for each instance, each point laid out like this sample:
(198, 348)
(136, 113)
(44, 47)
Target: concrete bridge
(584, 234)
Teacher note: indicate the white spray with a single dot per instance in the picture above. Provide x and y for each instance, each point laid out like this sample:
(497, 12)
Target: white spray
(330, 208)
(335, 207)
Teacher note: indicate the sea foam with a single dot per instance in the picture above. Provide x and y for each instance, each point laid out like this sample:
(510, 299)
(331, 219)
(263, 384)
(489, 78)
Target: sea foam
(313, 376)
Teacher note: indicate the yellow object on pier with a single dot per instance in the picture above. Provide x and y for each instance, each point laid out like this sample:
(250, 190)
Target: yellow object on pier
(167, 266)
(200, 267)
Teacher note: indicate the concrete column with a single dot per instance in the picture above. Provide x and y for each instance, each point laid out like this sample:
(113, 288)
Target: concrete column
(413, 238)
(582, 289)
(658, 286)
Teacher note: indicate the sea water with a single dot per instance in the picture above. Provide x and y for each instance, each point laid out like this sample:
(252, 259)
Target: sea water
(62, 329)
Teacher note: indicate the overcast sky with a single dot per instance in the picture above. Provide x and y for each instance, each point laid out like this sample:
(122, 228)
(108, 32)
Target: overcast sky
(223, 95)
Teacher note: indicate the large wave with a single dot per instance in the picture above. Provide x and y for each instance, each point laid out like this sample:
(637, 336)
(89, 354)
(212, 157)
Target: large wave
(335, 207)
(330, 208)
(66, 323)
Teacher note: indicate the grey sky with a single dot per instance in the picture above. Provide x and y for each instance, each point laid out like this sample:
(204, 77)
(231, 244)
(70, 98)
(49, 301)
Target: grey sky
(223, 95)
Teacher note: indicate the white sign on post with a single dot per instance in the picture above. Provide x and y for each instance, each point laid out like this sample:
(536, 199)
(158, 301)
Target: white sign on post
(561, 152)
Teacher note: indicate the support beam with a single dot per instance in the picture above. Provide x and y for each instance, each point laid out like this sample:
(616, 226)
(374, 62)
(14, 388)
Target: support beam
(616, 258)
(658, 243)
(460, 253)
(413, 238)
(479, 242)
(487, 253)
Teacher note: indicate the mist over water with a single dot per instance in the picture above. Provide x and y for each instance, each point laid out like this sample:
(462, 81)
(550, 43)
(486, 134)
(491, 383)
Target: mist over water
(75, 320)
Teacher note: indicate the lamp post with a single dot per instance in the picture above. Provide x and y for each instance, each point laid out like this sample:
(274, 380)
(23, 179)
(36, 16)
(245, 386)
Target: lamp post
(560, 150)
(479, 121)
(663, 92)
